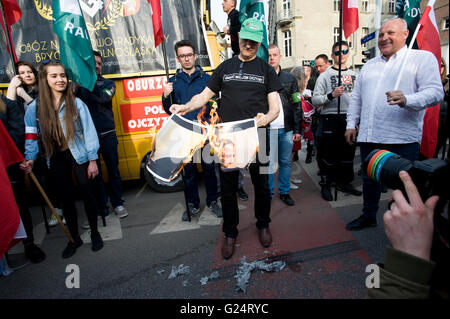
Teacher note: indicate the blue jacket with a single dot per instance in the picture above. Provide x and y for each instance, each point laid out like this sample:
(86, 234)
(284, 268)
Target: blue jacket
(184, 88)
(84, 145)
(99, 102)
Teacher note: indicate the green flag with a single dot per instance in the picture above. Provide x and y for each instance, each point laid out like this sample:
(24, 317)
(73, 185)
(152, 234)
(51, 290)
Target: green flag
(410, 11)
(255, 9)
(74, 44)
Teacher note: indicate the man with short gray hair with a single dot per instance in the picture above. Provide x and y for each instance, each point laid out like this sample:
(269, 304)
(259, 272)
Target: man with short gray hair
(387, 119)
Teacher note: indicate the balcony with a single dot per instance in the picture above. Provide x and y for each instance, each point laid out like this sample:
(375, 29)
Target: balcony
(284, 18)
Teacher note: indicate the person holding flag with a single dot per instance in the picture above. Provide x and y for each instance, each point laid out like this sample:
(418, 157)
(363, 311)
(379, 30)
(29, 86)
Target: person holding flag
(334, 155)
(69, 138)
(390, 119)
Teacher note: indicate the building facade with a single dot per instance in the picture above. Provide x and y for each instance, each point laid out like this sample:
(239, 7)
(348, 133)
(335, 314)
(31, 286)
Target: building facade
(304, 29)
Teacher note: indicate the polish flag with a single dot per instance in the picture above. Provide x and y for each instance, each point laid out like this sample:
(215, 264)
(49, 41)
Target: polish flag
(350, 20)
(428, 40)
(156, 19)
(12, 14)
(9, 212)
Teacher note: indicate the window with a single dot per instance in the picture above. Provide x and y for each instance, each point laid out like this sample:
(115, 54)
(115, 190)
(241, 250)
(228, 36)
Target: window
(336, 5)
(391, 6)
(336, 35)
(286, 5)
(287, 43)
(365, 31)
(286, 8)
(365, 6)
(445, 24)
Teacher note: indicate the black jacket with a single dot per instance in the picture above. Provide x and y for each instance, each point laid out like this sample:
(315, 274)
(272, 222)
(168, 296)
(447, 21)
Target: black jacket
(293, 112)
(13, 121)
(99, 102)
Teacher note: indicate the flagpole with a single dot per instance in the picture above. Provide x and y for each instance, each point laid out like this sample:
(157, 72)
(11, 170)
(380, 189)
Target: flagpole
(49, 203)
(340, 55)
(402, 68)
(8, 38)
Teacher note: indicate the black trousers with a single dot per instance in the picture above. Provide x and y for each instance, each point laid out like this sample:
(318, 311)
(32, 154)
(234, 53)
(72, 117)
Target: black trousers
(334, 155)
(260, 180)
(62, 164)
(17, 178)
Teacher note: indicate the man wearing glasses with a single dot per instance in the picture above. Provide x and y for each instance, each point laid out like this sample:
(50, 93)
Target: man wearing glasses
(187, 82)
(334, 155)
(249, 89)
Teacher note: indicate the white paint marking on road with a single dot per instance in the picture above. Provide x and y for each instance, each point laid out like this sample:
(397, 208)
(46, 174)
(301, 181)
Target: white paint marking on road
(172, 222)
(207, 218)
(112, 231)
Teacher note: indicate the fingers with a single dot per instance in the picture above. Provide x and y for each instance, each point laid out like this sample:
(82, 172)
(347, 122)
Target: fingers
(431, 203)
(411, 190)
(395, 98)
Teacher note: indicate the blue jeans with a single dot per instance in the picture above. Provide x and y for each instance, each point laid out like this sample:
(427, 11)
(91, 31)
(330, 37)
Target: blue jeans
(371, 189)
(108, 149)
(280, 151)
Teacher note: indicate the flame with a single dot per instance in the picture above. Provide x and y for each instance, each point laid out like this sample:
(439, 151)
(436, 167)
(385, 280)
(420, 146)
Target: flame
(208, 129)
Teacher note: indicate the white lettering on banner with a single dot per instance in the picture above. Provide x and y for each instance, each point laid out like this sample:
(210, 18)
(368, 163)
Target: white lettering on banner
(79, 32)
(146, 84)
(149, 122)
(155, 109)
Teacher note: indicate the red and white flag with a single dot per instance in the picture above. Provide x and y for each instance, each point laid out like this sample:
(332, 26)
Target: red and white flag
(157, 23)
(428, 39)
(9, 212)
(350, 19)
(12, 15)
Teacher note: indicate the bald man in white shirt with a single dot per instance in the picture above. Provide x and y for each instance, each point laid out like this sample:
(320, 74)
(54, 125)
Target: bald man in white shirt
(387, 119)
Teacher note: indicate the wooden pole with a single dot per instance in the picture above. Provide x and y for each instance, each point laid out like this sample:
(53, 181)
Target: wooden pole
(41, 190)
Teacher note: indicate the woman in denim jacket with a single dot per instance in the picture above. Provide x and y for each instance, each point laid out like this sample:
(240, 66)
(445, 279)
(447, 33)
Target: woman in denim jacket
(67, 134)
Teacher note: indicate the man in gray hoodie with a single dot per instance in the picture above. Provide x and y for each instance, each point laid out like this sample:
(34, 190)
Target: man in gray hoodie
(334, 155)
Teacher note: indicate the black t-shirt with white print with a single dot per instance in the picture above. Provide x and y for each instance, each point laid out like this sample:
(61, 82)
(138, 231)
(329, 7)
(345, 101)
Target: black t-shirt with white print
(244, 87)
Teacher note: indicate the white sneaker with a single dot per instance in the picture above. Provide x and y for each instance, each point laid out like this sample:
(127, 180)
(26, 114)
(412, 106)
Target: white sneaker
(296, 181)
(121, 211)
(293, 186)
(53, 221)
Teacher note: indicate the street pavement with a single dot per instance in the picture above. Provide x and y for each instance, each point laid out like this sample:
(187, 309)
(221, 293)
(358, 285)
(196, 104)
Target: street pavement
(321, 258)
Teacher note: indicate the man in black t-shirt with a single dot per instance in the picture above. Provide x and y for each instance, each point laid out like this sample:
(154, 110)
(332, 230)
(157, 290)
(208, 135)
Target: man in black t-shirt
(233, 24)
(249, 89)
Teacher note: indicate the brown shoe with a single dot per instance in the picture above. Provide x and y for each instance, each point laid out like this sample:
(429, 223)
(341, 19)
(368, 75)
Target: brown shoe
(265, 237)
(228, 247)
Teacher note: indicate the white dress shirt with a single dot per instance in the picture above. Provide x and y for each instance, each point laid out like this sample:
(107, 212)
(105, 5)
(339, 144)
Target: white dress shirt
(392, 124)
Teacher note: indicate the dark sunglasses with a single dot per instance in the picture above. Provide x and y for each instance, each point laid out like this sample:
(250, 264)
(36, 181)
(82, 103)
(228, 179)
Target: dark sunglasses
(338, 52)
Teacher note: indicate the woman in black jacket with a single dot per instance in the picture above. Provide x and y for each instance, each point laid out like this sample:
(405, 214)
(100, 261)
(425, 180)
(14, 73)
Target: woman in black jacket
(12, 116)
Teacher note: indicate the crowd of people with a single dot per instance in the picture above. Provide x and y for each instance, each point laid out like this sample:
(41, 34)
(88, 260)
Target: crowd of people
(62, 128)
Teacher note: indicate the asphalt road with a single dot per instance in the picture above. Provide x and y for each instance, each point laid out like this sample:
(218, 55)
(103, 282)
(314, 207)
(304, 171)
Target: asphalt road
(322, 259)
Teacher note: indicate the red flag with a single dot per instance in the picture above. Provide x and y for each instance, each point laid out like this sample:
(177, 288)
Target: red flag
(350, 19)
(428, 39)
(12, 14)
(9, 212)
(157, 23)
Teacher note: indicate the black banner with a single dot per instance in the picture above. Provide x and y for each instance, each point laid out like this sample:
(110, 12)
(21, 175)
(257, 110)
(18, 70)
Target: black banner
(120, 29)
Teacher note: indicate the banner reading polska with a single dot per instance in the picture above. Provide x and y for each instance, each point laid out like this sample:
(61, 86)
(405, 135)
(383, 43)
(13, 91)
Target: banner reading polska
(118, 29)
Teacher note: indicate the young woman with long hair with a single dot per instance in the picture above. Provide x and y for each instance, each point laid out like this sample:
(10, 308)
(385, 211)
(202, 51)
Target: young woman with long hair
(70, 142)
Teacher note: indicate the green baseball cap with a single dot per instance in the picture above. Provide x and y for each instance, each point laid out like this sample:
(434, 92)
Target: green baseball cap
(252, 29)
